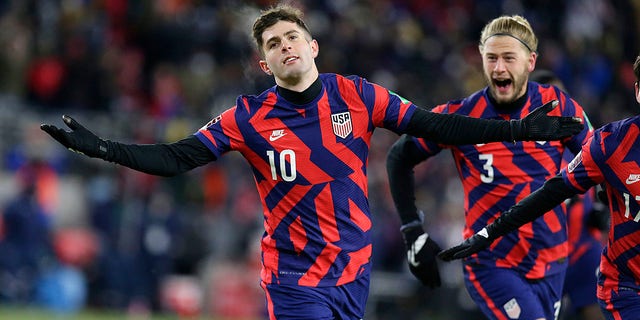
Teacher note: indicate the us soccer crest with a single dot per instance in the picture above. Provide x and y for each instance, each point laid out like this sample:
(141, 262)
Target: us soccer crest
(341, 123)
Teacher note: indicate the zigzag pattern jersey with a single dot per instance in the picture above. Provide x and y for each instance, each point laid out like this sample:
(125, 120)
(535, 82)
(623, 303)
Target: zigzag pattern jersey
(582, 237)
(495, 176)
(309, 163)
(612, 156)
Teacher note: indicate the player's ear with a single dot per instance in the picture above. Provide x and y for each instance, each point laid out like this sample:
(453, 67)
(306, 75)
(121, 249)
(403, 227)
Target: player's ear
(315, 48)
(265, 67)
(532, 61)
(637, 90)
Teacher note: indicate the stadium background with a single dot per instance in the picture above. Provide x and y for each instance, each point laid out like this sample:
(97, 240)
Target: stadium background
(154, 71)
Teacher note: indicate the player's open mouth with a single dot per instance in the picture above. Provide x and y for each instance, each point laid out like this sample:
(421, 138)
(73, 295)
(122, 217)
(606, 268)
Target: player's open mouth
(502, 84)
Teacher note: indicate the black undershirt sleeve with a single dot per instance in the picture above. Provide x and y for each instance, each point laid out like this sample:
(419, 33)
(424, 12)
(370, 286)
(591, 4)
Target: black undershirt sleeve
(162, 159)
(551, 194)
(403, 156)
(457, 129)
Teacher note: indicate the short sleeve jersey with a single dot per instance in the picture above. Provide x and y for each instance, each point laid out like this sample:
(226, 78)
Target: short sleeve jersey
(612, 157)
(495, 176)
(310, 168)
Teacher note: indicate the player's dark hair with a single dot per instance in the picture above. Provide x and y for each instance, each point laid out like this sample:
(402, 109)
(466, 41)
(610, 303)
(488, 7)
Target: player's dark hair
(543, 76)
(271, 16)
(636, 68)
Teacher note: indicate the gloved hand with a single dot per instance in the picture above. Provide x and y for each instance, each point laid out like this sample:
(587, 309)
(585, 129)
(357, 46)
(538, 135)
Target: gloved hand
(601, 193)
(538, 126)
(79, 139)
(474, 244)
(421, 255)
(599, 217)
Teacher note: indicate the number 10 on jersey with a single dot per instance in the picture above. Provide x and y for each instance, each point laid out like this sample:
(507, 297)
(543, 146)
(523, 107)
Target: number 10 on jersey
(286, 163)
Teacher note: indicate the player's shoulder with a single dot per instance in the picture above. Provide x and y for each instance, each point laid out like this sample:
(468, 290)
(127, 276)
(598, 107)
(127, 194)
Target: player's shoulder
(256, 99)
(619, 130)
(463, 105)
(622, 125)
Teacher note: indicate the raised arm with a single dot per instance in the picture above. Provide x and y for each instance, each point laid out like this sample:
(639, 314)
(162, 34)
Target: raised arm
(458, 129)
(158, 159)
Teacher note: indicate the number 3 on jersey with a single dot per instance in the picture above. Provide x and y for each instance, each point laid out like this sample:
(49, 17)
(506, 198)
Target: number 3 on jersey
(487, 175)
(286, 163)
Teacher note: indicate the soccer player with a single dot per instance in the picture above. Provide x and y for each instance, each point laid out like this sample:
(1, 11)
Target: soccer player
(611, 157)
(586, 219)
(307, 141)
(521, 277)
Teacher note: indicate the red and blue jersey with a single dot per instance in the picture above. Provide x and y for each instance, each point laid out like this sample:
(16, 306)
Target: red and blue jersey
(495, 176)
(612, 156)
(309, 163)
(582, 237)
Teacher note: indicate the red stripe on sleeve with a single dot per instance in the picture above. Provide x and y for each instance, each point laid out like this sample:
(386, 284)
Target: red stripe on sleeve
(380, 105)
(209, 136)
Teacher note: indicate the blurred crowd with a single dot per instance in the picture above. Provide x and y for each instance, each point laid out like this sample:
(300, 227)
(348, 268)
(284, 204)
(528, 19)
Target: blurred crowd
(79, 233)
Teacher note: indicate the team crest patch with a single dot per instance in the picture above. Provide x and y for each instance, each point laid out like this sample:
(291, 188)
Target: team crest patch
(341, 123)
(512, 308)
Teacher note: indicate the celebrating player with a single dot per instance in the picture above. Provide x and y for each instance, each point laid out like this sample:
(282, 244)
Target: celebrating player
(610, 157)
(307, 141)
(523, 276)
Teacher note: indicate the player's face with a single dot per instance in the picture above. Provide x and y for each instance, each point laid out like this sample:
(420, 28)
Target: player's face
(289, 55)
(507, 64)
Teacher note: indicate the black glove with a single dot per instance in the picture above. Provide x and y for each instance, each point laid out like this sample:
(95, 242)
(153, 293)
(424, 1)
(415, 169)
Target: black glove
(599, 217)
(421, 254)
(538, 126)
(601, 193)
(474, 244)
(79, 139)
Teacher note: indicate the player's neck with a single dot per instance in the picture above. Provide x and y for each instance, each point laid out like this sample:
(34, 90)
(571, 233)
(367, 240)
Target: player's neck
(508, 107)
(303, 97)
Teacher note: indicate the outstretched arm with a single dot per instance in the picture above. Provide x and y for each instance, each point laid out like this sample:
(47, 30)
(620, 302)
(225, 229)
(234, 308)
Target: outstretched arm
(458, 129)
(158, 159)
(552, 193)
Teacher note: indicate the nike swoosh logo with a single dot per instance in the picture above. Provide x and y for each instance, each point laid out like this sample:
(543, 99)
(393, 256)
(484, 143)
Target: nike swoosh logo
(276, 137)
(415, 249)
(633, 179)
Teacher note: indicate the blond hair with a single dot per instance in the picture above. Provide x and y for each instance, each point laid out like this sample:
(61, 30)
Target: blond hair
(514, 26)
